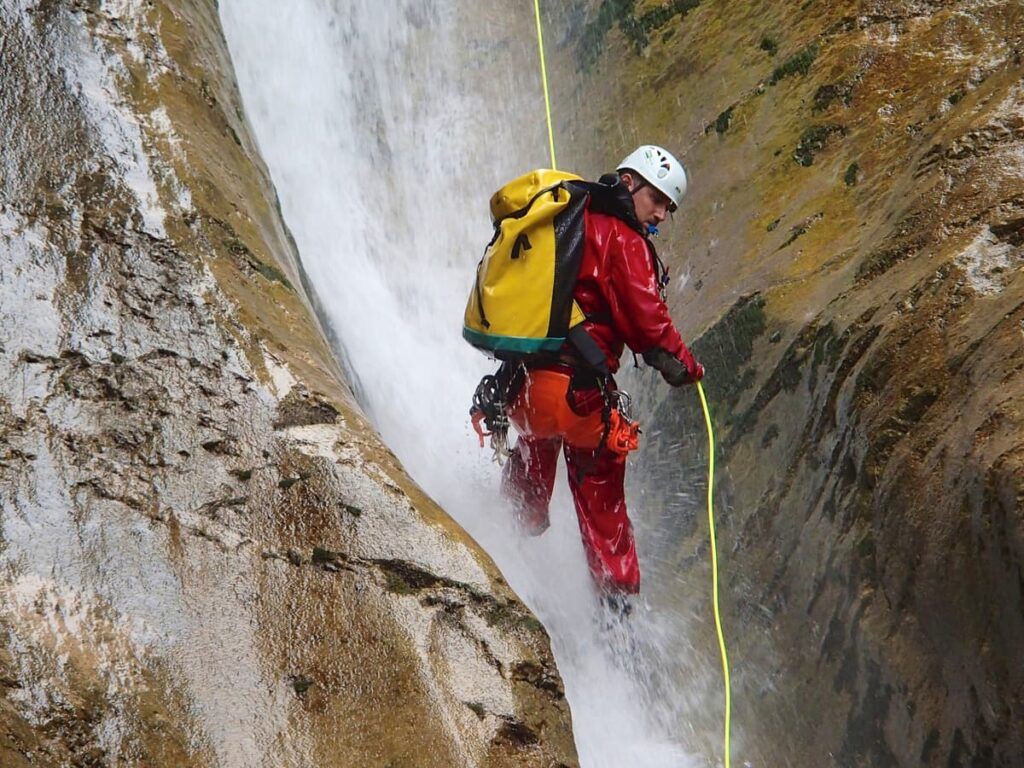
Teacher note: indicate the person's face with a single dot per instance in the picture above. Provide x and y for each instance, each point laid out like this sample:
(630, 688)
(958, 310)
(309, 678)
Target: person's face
(652, 205)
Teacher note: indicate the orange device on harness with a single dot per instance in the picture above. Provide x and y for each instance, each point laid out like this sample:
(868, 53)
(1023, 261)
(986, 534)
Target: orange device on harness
(623, 434)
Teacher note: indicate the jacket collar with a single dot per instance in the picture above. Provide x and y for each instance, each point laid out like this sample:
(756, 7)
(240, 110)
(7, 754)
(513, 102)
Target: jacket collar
(610, 196)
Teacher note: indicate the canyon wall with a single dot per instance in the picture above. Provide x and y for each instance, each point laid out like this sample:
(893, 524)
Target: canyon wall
(848, 267)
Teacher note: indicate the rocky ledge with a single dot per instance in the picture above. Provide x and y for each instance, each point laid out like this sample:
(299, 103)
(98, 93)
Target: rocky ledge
(208, 557)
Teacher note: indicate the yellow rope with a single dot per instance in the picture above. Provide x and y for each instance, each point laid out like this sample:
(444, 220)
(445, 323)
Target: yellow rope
(544, 80)
(707, 422)
(714, 570)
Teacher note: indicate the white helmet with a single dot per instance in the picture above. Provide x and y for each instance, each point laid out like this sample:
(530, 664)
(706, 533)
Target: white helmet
(659, 169)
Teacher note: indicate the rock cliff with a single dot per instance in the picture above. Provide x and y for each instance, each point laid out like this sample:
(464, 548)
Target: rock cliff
(208, 557)
(849, 267)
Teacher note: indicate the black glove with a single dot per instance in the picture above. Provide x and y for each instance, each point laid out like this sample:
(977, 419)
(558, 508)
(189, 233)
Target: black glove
(672, 369)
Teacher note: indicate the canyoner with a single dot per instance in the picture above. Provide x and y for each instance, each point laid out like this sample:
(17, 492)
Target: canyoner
(570, 279)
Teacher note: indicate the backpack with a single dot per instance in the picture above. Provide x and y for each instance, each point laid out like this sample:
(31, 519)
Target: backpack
(522, 300)
(522, 307)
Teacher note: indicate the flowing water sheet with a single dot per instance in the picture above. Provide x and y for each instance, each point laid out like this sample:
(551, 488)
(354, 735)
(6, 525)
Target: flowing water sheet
(386, 126)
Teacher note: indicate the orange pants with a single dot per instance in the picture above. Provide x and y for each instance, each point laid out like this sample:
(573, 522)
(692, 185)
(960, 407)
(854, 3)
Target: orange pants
(548, 422)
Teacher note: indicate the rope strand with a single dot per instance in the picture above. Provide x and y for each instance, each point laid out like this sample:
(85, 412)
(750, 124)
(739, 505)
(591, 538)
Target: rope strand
(544, 80)
(714, 571)
(711, 440)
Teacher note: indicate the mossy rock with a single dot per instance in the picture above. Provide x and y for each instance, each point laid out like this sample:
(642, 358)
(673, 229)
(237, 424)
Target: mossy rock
(797, 64)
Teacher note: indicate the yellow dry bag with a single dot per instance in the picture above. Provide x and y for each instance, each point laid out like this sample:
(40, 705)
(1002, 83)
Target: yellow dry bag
(521, 302)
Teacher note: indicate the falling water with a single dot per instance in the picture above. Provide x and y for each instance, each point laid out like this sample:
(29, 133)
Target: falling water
(386, 126)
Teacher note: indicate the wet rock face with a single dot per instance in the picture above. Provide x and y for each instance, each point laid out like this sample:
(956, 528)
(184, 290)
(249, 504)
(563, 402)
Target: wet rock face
(852, 275)
(208, 558)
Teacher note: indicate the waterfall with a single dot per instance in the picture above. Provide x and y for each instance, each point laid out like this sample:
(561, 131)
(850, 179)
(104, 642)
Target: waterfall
(386, 126)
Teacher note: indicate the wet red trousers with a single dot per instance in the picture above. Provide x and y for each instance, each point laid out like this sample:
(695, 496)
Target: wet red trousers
(596, 481)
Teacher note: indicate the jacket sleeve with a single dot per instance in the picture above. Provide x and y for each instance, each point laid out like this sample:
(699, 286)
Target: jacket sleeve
(637, 308)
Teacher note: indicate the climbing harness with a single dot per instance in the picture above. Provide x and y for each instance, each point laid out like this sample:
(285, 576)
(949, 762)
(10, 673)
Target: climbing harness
(546, 399)
(711, 448)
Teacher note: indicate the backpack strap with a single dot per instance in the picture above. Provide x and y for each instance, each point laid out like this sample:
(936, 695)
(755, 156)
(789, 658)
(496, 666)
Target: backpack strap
(592, 354)
(608, 195)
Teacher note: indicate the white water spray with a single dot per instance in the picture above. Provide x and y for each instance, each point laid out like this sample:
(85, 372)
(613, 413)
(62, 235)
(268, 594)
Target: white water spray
(386, 127)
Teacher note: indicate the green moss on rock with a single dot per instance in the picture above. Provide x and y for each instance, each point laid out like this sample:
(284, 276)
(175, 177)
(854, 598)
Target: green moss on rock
(850, 177)
(797, 64)
(813, 140)
(728, 346)
(723, 121)
(637, 30)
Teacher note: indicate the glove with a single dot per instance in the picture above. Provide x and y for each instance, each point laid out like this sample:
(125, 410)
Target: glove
(673, 370)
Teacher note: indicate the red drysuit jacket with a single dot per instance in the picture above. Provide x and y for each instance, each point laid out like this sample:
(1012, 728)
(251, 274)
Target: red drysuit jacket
(618, 290)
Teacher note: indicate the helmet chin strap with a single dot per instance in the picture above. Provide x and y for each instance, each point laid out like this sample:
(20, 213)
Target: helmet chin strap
(643, 183)
(652, 229)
